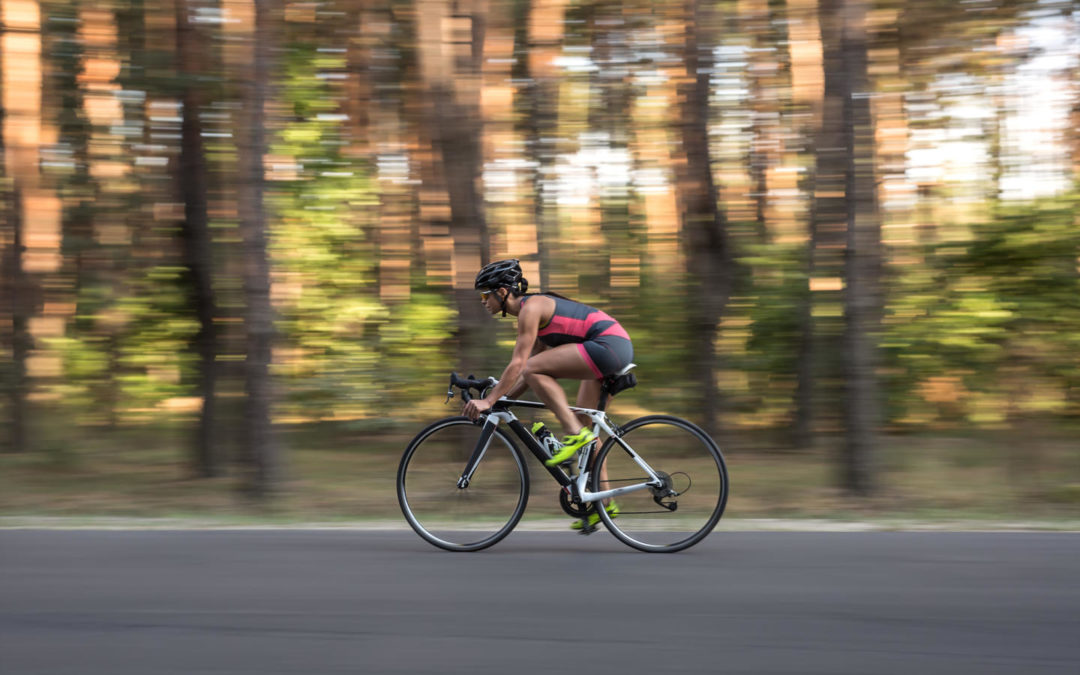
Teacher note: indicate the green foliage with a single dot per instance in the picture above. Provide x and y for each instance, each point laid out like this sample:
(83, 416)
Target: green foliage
(154, 361)
(780, 289)
(975, 327)
(325, 264)
(1001, 308)
(136, 357)
(416, 350)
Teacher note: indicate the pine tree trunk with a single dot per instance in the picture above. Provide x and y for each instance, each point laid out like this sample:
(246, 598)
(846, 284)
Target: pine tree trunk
(610, 115)
(20, 315)
(196, 238)
(709, 257)
(259, 441)
(542, 44)
(456, 126)
(85, 261)
(862, 298)
(359, 91)
(16, 287)
(388, 123)
(817, 390)
(802, 435)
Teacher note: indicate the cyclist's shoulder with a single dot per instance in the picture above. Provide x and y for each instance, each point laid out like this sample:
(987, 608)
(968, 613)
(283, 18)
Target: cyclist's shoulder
(537, 301)
(534, 307)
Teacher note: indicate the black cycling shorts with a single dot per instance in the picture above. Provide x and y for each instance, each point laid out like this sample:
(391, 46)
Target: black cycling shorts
(607, 354)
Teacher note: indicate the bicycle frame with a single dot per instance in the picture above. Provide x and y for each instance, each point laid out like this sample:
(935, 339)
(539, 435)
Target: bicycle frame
(576, 487)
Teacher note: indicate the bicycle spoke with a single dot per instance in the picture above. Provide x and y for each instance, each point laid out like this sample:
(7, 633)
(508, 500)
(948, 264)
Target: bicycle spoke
(694, 484)
(451, 517)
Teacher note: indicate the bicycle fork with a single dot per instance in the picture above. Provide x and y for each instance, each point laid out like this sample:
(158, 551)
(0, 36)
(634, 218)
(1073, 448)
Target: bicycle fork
(478, 452)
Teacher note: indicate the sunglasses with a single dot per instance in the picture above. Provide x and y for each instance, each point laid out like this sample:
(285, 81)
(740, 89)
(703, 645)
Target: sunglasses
(484, 295)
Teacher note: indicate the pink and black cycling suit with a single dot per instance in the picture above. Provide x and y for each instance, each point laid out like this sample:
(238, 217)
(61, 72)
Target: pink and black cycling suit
(603, 343)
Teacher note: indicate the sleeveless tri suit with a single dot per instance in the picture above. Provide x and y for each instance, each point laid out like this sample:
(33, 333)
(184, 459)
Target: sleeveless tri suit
(603, 343)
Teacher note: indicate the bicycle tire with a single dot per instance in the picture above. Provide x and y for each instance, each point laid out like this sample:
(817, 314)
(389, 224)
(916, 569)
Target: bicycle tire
(692, 461)
(461, 519)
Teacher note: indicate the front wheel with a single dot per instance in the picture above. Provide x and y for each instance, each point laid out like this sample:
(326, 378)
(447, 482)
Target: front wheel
(462, 519)
(686, 507)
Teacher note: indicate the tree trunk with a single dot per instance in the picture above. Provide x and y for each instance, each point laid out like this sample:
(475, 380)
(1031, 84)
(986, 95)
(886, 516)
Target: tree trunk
(84, 259)
(359, 91)
(543, 39)
(709, 257)
(802, 436)
(128, 263)
(14, 283)
(451, 70)
(817, 388)
(770, 87)
(610, 34)
(20, 315)
(195, 233)
(863, 297)
(259, 440)
(388, 121)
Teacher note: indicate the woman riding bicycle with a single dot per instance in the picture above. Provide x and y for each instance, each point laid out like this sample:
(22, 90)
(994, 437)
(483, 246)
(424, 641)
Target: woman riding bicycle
(556, 337)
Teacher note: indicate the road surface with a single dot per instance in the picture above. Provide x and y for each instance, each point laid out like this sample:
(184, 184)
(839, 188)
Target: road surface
(263, 602)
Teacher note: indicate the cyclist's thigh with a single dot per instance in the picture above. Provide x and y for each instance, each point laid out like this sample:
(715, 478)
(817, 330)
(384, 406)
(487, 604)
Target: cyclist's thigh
(568, 360)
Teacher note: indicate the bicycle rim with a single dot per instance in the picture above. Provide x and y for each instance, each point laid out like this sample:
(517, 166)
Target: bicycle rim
(692, 466)
(466, 519)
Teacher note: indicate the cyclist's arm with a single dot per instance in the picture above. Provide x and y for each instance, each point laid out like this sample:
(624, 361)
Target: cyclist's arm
(517, 391)
(512, 380)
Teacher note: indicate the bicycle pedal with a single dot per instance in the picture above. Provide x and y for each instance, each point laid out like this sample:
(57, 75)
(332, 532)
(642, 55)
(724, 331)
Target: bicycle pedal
(588, 529)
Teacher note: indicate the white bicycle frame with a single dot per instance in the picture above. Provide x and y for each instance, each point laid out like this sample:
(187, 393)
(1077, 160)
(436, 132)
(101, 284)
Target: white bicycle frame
(600, 423)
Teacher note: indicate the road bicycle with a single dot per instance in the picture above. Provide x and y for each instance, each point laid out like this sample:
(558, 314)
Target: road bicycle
(464, 485)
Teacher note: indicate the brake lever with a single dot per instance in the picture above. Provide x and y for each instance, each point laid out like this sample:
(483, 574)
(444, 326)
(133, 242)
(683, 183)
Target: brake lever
(491, 381)
(450, 389)
(450, 395)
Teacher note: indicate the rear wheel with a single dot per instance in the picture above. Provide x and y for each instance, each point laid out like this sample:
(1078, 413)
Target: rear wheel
(462, 519)
(682, 511)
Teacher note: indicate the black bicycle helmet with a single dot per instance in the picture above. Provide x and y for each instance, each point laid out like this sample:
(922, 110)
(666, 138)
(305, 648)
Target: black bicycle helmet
(502, 274)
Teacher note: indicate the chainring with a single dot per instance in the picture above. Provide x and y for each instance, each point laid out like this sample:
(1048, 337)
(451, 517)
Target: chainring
(571, 509)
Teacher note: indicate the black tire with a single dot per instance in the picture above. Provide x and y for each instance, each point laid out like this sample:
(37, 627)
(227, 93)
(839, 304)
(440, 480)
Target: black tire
(456, 519)
(695, 467)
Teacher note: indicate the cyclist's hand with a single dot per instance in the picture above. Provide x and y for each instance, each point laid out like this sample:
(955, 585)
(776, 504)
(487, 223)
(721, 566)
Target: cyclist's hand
(475, 407)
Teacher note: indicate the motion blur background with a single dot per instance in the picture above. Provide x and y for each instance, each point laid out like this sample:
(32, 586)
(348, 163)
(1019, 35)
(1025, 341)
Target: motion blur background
(239, 240)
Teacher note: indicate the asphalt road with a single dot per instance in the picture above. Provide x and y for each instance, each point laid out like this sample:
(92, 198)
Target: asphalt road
(267, 602)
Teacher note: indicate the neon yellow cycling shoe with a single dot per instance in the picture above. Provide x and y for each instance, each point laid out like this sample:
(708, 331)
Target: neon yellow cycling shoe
(570, 445)
(593, 518)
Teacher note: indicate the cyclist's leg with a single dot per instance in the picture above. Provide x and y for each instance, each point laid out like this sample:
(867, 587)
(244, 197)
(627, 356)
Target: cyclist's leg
(608, 354)
(589, 397)
(540, 373)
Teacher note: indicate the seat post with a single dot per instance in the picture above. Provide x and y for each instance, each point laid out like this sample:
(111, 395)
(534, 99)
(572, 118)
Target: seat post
(608, 382)
(603, 399)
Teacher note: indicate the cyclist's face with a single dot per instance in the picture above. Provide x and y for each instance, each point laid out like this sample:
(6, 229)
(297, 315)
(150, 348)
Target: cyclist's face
(490, 299)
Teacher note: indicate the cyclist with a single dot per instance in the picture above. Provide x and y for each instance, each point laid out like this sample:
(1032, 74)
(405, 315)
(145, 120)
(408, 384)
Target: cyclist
(556, 337)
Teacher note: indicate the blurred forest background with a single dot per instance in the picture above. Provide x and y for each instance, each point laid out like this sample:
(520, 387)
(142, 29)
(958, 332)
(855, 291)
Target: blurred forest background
(238, 234)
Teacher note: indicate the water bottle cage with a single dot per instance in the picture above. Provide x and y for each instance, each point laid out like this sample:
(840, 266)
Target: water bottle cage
(547, 440)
